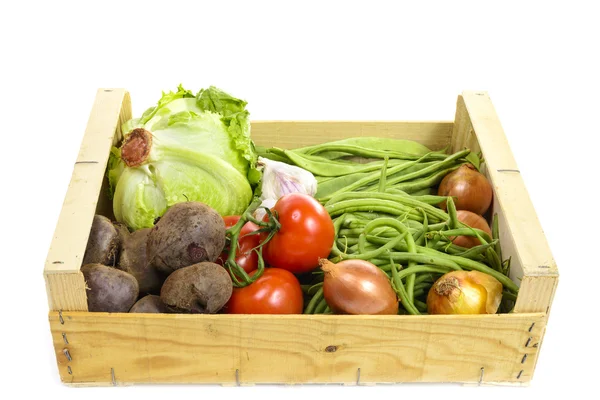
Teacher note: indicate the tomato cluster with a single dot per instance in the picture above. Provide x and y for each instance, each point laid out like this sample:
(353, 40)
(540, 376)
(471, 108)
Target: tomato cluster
(305, 235)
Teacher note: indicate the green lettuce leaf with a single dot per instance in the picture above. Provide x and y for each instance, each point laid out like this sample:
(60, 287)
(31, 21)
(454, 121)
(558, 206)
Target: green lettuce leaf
(201, 150)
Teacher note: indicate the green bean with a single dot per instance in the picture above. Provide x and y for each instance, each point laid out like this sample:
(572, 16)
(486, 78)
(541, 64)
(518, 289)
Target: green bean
(496, 236)
(493, 260)
(420, 269)
(423, 286)
(355, 232)
(373, 143)
(452, 216)
(374, 176)
(422, 307)
(473, 265)
(403, 202)
(262, 151)
(363, 151)
(440, 261)
(426, 277)
(506, 266)
(421, 238)
(324, 167)
(326, 188)
(406, 236)
(472, 253)
(509, 296)
(310, 308)
(423, 192)
(314, 288)
(323, 179)
(388, 207)
(321, 307)
(481, 235)
(425, 183)
(401, 291)
(383, 174)
(449, 161)
(371, 254)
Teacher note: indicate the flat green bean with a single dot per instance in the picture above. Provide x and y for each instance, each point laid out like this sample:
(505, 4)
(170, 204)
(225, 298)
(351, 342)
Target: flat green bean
(373, 143)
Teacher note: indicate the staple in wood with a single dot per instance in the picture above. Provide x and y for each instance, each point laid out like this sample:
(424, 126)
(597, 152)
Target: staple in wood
(112, 375)
(358, 377)
(64, 335)
(237, 377)
(60, 318)
(69, 370)
(531, 327)
(524, 358)
(481, 375)
(528, 341)
(508, 170)
(520, 373)
(67, 354)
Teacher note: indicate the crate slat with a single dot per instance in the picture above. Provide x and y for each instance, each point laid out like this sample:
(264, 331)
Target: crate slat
(64, 280)
(162, 348)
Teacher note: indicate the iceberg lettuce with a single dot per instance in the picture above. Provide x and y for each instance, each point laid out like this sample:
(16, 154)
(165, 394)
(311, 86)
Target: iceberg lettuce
(186, 148)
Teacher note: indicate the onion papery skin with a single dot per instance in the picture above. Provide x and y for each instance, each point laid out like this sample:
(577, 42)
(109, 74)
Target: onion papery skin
(464, 292)
(358, 287)
(470, 189)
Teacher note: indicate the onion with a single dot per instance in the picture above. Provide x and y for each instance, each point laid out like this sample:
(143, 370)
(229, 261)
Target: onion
(470, 188)
(465, 292)
(474, 221)
(357, 287)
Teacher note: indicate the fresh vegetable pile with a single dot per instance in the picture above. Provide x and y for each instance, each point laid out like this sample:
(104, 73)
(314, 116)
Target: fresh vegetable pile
(206, 222)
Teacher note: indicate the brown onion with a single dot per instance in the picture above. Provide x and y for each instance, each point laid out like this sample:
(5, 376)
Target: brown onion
(358, 287)
(470, 188)
(474, 221)
(465, 292)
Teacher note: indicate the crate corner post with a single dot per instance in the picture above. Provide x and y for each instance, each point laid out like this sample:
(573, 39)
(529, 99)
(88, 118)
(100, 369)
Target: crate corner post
(65, 283)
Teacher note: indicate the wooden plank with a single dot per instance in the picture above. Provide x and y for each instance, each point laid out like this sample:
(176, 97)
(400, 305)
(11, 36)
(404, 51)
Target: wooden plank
(519, 222)
(291, 134)
(66, 291)
(163, 348)
(111, 108)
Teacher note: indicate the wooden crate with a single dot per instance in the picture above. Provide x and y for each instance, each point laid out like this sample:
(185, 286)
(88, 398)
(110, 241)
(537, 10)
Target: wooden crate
(116, 349)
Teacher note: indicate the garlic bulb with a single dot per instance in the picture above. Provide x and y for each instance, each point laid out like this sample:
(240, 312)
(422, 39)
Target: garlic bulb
(280, 179)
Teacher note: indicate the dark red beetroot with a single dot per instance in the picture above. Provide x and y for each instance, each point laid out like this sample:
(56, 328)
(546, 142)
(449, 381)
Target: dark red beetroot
(103, 242)
(133, 259)
(202, 288)
(188, 233)
(109, 289)
(149, 304)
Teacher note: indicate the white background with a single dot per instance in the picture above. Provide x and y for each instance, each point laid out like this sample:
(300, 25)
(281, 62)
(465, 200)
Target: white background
(310, 60)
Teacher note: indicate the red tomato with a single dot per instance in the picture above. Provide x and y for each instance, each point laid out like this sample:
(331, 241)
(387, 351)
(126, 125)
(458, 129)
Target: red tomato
(246, 257)
(306, 234)
(277, 291)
